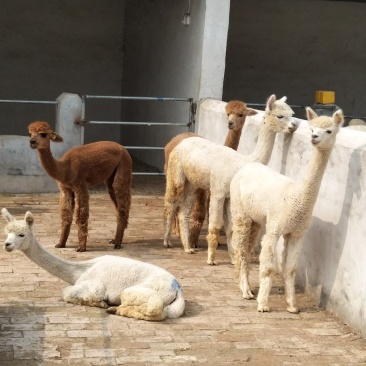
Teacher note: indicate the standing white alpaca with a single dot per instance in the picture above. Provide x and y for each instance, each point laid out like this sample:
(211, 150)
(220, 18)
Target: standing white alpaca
(79, 169)
(236, 111)
(261, 196)
(142, 290)
(197, 163)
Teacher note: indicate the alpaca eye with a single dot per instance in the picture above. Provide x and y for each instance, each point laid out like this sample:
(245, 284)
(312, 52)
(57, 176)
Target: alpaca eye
(21, 235)
(43, 134)
(279, 117)
(241, 115)
(329, 131)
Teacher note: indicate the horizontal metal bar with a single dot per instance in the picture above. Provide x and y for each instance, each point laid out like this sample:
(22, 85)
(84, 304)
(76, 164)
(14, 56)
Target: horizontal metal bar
(147, 173)
(144, 147)
(27, 101)
(136, 98)
(135, 123)
(355, 117)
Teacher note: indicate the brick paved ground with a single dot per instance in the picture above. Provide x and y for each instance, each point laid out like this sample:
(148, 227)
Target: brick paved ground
(218, 328)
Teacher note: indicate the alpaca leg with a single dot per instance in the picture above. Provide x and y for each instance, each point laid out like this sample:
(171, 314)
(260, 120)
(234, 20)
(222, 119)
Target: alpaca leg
(173, 198)
(228, 229)
(140, 302)
(214, 225)
(67, 204)
(198, 216)
(240, 244)
(184, 215)
(291, 252)
(267, 266)
(82, 216)
(120, 193)
(86, 293)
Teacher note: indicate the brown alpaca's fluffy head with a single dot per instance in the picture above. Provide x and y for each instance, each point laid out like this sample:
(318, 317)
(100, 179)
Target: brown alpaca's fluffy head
(236, 111)
(40, 134)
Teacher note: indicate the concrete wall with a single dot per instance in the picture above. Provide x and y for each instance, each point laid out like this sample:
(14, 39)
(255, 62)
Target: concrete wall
(294, 48)
(20, 167)
(51, 47)
(165, 58)
(332, 263)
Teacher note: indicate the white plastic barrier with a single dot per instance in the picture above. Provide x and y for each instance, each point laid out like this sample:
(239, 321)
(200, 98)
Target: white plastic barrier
(332, 263)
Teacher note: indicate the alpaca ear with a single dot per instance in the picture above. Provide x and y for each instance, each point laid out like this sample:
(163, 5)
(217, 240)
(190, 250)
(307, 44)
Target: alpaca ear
(338, 117)
(56, 137)
(310, 114)
(251, 112)
(5, 213)
(283, 99)
(28, 218)
(270, 103)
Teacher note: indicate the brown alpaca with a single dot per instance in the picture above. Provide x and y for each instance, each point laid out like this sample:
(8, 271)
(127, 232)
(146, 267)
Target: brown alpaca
(79, 169)
(236, 111)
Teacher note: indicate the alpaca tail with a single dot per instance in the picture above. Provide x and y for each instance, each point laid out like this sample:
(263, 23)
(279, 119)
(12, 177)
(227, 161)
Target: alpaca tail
(176, 308)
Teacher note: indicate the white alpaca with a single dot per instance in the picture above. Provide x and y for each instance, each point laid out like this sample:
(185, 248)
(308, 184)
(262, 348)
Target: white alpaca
(261, 196)
(142, 290)
(197, 163)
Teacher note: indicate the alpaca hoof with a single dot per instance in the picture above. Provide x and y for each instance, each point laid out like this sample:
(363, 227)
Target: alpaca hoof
(212, 263)
(263, 309)
(248, 296)
(81, 249)
(112, 310)
(190, 251)
(117, 246)
(167, 245)
(59, 245)
(293, 309)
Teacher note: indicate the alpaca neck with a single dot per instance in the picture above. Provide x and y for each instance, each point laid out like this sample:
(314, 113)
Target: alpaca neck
(263, 149)
(233, 139)
(61, 268)
(309, 189)
(50, 164)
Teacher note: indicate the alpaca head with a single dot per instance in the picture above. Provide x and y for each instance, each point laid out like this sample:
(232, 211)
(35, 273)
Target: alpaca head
(237, 111)
(278, 115)
(40, 134)
(324, 129)
(19, 231)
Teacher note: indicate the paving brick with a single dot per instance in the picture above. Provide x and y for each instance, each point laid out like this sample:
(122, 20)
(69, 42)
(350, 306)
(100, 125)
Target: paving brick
(219, 327)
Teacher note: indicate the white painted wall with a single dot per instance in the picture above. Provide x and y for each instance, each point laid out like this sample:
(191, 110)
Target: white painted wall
(332, 263)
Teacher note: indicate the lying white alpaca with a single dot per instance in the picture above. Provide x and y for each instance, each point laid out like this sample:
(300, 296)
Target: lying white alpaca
(142, 290)
(197, 163)
(261, 196)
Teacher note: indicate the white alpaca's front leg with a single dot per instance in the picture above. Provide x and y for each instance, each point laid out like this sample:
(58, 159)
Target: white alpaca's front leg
(87, 293)
(291, 252)
(215, 222)
(266, 268)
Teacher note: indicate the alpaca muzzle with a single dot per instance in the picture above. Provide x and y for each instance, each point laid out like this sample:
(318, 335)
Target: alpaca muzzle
(33, 143)
(7, 247)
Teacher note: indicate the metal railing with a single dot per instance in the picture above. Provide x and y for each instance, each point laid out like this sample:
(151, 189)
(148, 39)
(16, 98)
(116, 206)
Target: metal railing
(189, 124)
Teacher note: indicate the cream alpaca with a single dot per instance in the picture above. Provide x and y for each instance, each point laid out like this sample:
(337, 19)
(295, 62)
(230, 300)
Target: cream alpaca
(197, 163)
(261, 196)
(236, 111)
(142, 290)
(79, 169)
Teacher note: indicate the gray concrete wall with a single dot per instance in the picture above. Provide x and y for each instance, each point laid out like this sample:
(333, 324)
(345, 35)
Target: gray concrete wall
(20, 168)
(165, 58)
(294, 48)
(332, 262)
(51, 47)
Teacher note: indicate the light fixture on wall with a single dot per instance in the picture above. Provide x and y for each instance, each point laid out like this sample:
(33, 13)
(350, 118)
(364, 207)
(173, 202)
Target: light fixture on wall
(187, 16)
